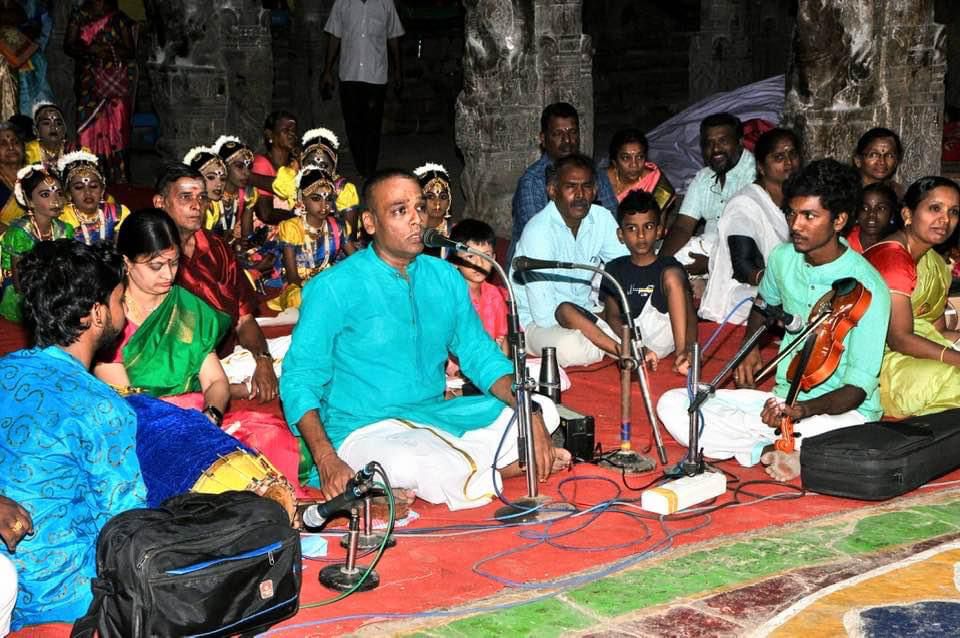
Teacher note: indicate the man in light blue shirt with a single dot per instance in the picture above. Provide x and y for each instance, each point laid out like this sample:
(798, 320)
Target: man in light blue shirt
(364, 376)
(813, 267)
(572, 229)
(729, 167)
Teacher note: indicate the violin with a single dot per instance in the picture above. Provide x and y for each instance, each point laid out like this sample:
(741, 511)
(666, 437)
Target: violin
(837, 313)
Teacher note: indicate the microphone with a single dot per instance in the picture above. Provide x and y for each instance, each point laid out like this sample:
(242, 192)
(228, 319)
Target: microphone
(356, 489)
(790, 322)
(521, 264)
(433, 238)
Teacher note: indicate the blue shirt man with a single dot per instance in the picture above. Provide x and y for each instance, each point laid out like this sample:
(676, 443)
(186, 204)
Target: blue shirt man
(572, 229)
(67, 440)
(559, 137)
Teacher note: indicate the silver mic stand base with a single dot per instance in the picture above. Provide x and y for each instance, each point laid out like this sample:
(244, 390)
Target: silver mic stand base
(526, 509)
(628, 461)
(340, 578)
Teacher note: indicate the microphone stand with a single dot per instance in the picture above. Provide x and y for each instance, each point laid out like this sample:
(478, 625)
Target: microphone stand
(529, 507)
(624, 458)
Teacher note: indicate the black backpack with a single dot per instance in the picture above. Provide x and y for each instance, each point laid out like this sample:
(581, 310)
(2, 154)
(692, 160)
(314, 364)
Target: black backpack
(210, 564)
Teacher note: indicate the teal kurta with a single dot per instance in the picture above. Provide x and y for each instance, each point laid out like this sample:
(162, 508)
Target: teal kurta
(372, 344)
(796, 285)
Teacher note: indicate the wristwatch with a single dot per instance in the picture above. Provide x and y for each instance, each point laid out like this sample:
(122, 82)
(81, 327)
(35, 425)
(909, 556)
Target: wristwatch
(213, 411)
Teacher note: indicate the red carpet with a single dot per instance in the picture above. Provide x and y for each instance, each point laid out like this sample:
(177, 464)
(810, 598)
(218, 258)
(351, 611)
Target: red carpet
(443, 571)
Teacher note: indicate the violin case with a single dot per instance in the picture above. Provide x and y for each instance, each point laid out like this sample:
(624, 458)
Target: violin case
(880, 460)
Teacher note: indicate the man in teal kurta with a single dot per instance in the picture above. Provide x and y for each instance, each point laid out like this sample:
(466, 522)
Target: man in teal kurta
(364, 377)
(740, 423)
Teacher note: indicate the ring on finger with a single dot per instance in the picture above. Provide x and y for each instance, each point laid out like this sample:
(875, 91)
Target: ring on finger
(17, 525)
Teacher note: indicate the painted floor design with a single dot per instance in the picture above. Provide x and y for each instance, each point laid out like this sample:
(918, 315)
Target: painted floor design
(733, 586)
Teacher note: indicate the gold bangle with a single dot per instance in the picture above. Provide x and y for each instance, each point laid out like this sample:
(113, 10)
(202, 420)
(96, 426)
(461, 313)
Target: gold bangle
(943, 352)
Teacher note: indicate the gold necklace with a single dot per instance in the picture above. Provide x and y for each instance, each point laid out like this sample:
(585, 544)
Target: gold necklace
(36, 230)
(135, 309)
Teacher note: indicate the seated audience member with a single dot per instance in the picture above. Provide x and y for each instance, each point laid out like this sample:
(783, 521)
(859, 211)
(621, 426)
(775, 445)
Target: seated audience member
(729, 167)
(921, 370)
(380, 326)
(168, 348)
(38, 191)
(740, 423)
(15, 523)
(51, 131)
(11, 161)
(629, 169)
(239, 197)
(876, 219)
(487, 299)
(657, 290)
(92, 217)
(78, 468)
(569, 228)
(435, 182)
(877, 157)
(752, 225)
(315, 239)
(559, 137)
(209, 270)
(208, 163)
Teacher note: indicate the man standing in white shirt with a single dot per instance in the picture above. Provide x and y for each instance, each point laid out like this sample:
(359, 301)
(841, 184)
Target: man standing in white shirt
(362, 32)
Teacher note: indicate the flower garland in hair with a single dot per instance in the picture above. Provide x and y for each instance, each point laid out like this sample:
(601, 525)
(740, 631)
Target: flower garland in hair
(42, 105)
(430, 167)
(224, 139)
(22, 174)
(193, 152)
(64, 164)
(324, 134)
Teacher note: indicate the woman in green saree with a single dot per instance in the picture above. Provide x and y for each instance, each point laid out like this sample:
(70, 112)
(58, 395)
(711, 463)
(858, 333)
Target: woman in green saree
(920, 373)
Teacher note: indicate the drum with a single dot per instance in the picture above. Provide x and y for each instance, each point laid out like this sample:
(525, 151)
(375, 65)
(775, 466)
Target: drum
(182, 451)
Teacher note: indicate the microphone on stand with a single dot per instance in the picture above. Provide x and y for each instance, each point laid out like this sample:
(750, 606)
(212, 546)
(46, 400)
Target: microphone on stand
(433, 238)
(791, 323)
(521, 264)
(356, 489)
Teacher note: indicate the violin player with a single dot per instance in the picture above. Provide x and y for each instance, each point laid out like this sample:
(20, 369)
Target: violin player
(745, 423)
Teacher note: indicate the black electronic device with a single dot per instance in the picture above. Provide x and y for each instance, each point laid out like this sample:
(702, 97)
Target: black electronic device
(576, 433)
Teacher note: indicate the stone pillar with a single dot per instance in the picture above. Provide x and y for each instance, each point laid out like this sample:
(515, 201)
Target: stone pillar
(519, 56)
(309, 46)
(864, 63)
(210, 70)
(720, 53)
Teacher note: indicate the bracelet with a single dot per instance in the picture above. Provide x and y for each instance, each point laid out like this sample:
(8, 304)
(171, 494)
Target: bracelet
(215, 412)
(943, 352)
(264, 355)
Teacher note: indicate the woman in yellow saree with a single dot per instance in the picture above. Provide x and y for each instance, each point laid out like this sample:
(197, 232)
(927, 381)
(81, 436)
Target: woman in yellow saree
(921, 369)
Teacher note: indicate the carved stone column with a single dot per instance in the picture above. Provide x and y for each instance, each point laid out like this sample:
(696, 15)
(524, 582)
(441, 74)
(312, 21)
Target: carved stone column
(211, 70)
(720, 54)
(519, 56)
(864, 63)
(309, 47)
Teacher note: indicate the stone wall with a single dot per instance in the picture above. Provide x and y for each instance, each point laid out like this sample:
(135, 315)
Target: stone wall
(864, 63)
(210, 70)
(519, 56)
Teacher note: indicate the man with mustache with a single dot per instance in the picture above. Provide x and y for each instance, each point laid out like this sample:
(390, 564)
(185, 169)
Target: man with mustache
(209, 269)
(364, 377)
(569, 228)
(68, 441)
(740, 424)
(559, 137)
(729, 167)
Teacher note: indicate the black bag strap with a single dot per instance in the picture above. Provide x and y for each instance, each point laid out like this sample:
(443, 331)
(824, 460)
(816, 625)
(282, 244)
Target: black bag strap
(86, 625)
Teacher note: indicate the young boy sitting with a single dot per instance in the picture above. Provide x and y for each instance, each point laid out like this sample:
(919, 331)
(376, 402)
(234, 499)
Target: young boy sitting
(657, 289)
(486, 298)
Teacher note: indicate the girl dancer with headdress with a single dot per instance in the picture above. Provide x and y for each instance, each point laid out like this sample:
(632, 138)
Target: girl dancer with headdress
(239, 196)
(435, 182)
(92, 217)
(320, 148)
(313, 240)
(51, 132)
(38, 191)
(206, 160)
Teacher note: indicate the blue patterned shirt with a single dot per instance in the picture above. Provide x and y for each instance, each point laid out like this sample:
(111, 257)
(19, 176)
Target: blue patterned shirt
(68, 453)
(531, 197)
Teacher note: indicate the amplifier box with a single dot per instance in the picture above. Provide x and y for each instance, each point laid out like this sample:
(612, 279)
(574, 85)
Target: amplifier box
(575, 433)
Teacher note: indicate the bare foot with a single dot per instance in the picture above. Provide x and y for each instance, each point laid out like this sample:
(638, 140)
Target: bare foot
(561, 459)
(782, 466)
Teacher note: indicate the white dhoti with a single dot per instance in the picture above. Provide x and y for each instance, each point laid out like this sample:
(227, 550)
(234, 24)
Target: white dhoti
(573, 349)
(732, 426)
(440, 467)
(8, 593)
